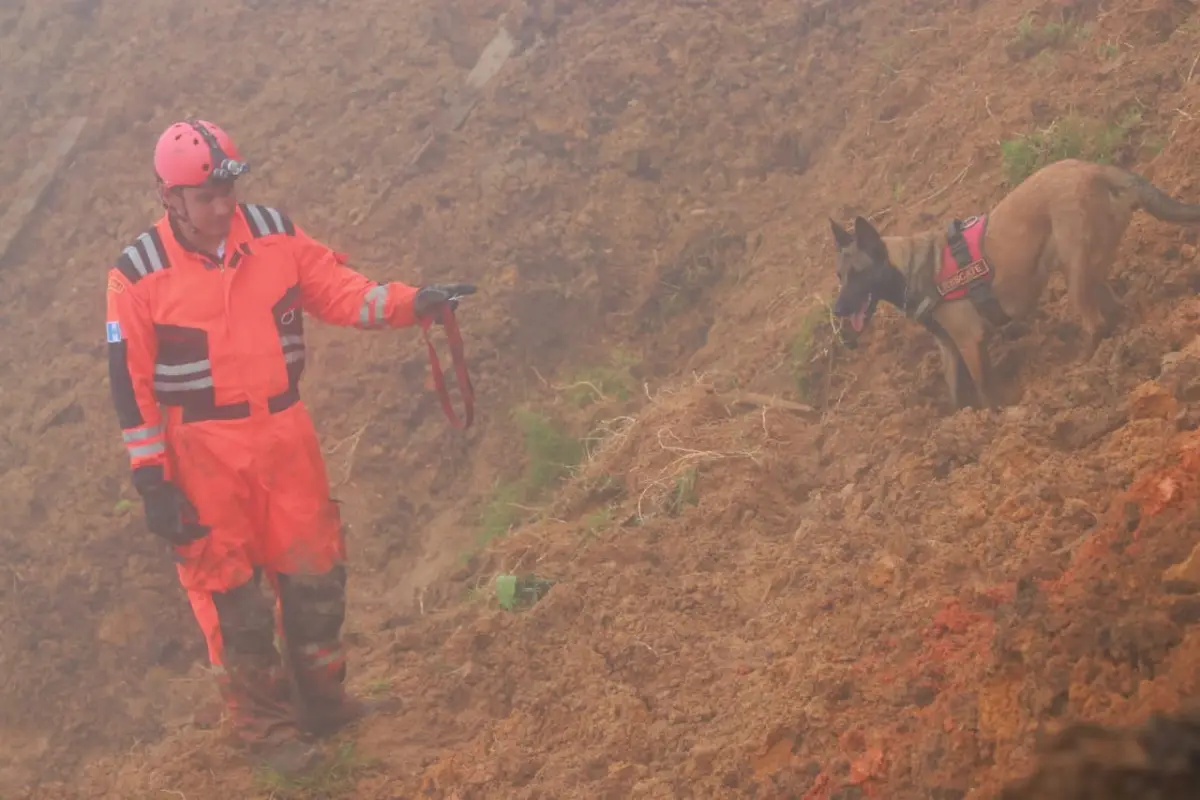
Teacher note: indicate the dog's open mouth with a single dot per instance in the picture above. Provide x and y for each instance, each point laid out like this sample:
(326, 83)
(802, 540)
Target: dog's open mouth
(858, 320)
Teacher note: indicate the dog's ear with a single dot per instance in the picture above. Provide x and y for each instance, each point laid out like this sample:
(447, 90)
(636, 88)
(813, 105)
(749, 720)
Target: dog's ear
(869, 240)
(843, 237)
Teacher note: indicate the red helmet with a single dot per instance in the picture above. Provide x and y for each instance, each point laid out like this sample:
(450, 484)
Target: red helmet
(195, 152)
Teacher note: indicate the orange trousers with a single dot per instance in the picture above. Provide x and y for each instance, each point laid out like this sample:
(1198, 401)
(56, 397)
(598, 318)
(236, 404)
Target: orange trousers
(260, 485)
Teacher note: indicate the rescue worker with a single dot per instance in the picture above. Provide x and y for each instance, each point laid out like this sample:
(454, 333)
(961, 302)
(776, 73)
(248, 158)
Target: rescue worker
(205, 336)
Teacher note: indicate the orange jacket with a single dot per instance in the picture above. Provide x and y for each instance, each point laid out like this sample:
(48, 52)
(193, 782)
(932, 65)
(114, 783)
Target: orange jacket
(220, 339)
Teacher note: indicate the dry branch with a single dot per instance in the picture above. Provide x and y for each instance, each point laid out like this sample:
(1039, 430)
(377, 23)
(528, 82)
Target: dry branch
(767, 401)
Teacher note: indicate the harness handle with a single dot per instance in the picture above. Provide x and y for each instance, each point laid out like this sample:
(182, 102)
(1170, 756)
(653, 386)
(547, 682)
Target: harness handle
(454, 336)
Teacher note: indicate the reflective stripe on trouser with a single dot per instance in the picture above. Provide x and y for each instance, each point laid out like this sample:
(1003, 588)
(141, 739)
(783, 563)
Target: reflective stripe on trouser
(260, 485)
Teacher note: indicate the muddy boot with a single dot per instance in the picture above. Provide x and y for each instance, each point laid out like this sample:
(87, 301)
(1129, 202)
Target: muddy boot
(324, 718)
(257, 696)
(258, 699)
(254, 685)
(313, 609)
(325, 706)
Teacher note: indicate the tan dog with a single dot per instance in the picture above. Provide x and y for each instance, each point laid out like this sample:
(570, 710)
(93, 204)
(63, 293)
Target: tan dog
(977, 275)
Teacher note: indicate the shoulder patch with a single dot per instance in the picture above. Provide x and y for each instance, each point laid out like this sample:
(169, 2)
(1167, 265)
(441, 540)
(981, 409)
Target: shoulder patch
(145, 256)
(267, 221)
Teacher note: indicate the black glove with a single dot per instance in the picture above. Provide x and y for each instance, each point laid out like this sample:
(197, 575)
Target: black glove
(432, 297)
(170, 515)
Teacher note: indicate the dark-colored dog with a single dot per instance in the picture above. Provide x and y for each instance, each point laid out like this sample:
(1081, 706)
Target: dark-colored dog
(975, 276)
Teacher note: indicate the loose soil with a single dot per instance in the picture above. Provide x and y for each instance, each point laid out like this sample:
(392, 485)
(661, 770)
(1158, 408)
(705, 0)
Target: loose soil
(874, 598)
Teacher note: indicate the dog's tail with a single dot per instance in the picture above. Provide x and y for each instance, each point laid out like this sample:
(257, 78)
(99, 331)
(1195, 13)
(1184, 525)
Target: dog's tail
(1149, 198)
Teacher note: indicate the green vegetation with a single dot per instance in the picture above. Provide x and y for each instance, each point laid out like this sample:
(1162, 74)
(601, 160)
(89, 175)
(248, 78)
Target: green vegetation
(803, 351)
(598, 520)
(517, 592)
(1029, 39)
(703, 261)
(684, 494)
(335, 779)
(611, 380)
(1073, 136)
(550, 454)
(502, 512)
(378, 688)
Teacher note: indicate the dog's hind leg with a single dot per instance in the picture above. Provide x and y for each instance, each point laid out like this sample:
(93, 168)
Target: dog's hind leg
(1083, 297)
(1086, 257)
(1102, 256)
(1110, 307)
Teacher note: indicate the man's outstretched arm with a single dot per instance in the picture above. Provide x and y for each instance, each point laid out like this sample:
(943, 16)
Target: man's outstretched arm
(337, 294)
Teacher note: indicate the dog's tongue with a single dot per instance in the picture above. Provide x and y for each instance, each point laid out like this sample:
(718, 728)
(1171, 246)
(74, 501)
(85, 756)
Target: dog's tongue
(858, 319)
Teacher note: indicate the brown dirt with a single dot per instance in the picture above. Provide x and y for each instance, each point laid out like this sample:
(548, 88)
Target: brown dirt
(884, 600)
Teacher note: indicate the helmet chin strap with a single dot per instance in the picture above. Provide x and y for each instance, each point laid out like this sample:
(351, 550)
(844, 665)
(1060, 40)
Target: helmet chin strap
(178, 216)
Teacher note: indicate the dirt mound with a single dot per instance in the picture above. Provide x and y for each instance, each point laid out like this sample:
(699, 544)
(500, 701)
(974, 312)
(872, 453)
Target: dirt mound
(1088, 761)
(779, 567)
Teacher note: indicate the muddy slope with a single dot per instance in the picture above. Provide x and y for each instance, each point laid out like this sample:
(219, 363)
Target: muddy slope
(883, 599)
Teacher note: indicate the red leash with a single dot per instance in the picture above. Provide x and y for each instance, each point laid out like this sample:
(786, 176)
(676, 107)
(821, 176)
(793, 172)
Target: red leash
(454, 336)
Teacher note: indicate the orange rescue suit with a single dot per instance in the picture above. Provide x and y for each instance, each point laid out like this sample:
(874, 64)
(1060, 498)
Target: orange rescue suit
(205, 360)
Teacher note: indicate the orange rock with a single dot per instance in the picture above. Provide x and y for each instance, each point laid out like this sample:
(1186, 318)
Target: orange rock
(867, 766)
(1150, 400)
(1186, 570)
(882, 572)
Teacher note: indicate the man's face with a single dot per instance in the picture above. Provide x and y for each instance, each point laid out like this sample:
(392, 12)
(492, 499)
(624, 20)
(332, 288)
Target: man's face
(209, 208)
